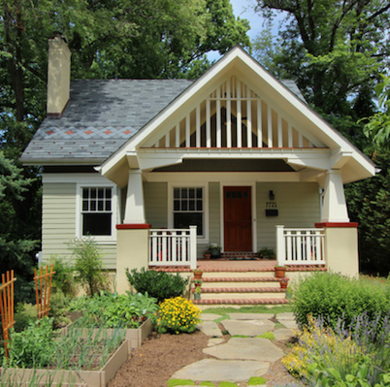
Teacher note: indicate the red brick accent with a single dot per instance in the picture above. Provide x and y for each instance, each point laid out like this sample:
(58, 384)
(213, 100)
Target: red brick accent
(240, 279)
(133, 226)
(243, 290)
(252, 301)
(335, 224)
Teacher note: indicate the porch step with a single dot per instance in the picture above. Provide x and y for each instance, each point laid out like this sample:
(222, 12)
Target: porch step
(250, 301)
(241, 288)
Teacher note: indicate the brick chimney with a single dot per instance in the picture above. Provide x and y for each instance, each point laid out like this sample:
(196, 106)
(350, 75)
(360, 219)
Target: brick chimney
(58, 83)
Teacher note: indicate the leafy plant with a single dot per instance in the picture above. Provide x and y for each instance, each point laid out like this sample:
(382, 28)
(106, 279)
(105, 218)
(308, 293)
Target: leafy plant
(63, 279)
(59, 307)
(33, 347)
(24, 315)
(115, 311)
(178, 315)
(89, 265)
(265, 252)
(157, 284)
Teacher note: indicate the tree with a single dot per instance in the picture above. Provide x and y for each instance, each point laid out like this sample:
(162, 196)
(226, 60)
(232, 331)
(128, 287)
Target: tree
(108, 39)
(377, 127)
(334, 50)
(15, 248)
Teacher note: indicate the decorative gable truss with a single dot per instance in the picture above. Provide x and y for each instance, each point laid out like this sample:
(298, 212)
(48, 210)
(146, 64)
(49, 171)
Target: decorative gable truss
(234, 116)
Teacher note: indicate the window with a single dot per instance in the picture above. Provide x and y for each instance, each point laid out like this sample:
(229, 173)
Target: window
(96, 213)
(188, 208)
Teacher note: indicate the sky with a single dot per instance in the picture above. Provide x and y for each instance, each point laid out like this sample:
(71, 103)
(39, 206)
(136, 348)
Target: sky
(245, 10)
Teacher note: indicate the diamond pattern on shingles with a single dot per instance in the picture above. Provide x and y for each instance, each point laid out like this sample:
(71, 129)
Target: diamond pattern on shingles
(50, 132)
(69, 132)
(108, 132)
(88, 132)
(127, 131)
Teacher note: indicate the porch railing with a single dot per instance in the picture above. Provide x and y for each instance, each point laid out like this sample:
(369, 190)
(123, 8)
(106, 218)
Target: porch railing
(173, 247)
(300, 246)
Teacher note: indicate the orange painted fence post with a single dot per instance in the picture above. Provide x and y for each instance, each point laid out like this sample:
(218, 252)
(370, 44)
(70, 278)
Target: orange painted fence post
(43, 290)
(7, 306)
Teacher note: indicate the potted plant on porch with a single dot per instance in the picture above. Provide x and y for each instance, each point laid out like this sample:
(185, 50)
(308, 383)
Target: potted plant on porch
(197, 292)
(215, 250)
(197, 274)
(207, 254)
(280, 271)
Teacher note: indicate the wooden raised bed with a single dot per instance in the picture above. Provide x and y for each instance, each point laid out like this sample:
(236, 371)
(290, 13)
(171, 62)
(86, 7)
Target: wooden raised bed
(134, 337)
(99, 378)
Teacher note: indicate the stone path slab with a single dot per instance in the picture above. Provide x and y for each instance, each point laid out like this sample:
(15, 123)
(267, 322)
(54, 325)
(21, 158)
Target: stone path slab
(246, 349)
(213, 342)
(285, 316)
(222, 370)
(283, 334)
(210, 328)
(248, 327)
(290, 324)
(209, 316)
(250, 316)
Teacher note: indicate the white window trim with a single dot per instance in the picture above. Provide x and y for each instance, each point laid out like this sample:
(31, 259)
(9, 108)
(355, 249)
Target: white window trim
(171, 186)
(111, 239)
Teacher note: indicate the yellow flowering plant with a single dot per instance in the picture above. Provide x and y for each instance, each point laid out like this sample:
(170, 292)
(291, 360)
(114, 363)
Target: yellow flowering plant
(177, 315)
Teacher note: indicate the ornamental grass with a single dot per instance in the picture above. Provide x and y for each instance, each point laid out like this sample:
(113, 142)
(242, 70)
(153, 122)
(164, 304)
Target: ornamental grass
(177, 315)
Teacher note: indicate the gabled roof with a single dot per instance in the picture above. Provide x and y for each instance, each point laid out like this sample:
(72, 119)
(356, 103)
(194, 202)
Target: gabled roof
(341, 153)
(101, 116)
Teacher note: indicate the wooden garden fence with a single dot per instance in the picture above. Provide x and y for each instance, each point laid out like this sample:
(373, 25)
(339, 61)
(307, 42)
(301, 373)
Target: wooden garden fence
(43, 290)
(7, 306)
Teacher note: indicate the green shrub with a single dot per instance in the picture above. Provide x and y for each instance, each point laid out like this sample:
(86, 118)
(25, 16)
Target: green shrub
(157, 284)
(34, 347)
(335, 297)
(89, 265)
(63, 279)
(177, 315)
(59, 307)
(24, 315)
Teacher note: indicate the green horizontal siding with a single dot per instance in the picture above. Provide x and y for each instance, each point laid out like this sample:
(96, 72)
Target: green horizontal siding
(298, 205)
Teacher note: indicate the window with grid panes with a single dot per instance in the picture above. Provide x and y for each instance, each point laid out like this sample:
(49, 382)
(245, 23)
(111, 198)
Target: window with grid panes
(188, 208)
(97, 211)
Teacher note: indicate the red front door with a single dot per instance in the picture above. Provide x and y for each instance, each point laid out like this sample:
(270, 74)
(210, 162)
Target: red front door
(237, 219)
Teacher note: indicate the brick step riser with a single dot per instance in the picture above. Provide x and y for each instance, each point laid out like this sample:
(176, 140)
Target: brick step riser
(241, 285)
(241, 296)
(241, 302)
(239, 274)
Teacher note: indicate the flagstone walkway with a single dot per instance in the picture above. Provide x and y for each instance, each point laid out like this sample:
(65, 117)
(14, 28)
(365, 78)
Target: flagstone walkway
(246, 354)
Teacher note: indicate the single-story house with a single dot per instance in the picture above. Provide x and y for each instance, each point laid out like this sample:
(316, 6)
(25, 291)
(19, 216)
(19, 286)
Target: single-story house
(157, 170)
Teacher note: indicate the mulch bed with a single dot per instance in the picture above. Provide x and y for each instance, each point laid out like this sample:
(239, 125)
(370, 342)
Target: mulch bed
(154, 363)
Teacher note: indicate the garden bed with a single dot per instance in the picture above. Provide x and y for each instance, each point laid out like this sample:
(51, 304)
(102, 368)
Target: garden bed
(135, 336)
(47, 377)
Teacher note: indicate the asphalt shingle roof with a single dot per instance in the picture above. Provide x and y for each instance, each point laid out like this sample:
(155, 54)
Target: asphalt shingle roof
(101, 116)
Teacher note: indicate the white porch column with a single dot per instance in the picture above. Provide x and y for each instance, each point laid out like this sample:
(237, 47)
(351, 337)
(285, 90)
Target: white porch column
(280, 245)
(335, 208)
(135, 211)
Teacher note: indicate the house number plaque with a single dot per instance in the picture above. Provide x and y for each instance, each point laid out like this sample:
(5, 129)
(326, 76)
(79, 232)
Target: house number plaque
(271, 209)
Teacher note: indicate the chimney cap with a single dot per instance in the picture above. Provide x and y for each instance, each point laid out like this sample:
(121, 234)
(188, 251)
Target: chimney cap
(58, 34)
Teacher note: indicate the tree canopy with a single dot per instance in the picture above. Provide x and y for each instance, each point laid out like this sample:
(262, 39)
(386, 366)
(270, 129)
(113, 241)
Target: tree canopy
(335, 51)
(108, 39)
